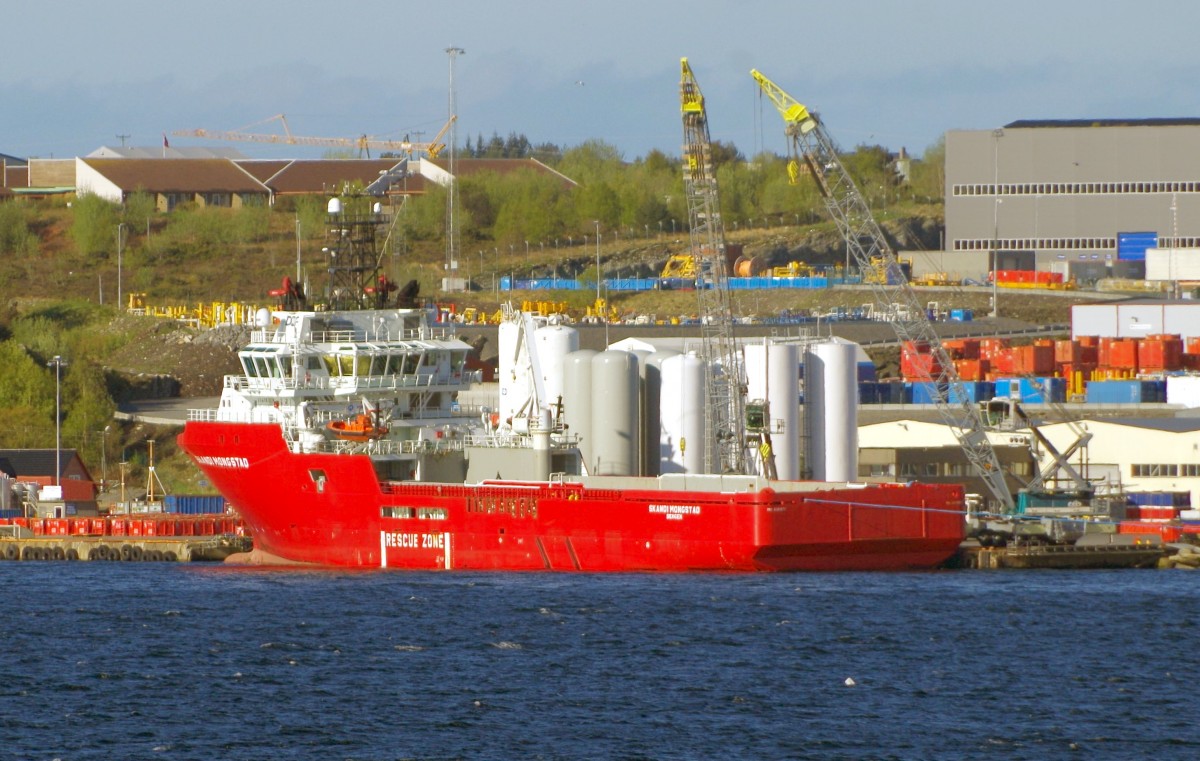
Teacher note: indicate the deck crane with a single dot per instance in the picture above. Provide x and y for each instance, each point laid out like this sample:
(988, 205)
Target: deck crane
(725, 425)
(363, 143)
(811, 144)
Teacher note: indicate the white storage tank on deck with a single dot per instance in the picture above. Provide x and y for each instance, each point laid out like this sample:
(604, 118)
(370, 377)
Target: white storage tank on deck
(554, 343)
(831, 403)
(615, 414)
(682, 414)
(511, 376)
(577, 399)
(773, 374)
(652, 393)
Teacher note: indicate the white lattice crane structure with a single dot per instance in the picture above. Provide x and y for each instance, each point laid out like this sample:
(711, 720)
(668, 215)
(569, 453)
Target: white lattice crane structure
(724, 414)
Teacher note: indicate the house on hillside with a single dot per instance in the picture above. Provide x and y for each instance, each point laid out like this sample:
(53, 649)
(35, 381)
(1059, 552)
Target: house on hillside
(37, 466)
(204, 182)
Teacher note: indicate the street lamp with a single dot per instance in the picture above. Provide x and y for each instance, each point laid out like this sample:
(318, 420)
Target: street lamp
(596, 222)
(57, 363)
(995, 254)
(120, 241)
(104, 458)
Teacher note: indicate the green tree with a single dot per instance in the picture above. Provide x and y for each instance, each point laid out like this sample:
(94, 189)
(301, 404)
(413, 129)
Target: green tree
(94, 225)
(928, 176)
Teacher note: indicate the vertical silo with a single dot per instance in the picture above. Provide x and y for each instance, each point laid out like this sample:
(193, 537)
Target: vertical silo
(682, 413)
(615, 414)
(831, 405)
(554, 343)
(652, 393)
(577, 400)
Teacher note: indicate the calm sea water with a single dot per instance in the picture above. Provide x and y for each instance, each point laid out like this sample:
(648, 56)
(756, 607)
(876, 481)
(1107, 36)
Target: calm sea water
(128, 661)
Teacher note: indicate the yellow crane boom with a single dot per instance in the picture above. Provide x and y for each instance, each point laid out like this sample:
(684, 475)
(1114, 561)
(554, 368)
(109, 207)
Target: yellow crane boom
(362, 143)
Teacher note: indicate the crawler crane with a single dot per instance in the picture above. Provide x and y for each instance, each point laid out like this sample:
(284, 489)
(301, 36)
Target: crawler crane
(809, 143)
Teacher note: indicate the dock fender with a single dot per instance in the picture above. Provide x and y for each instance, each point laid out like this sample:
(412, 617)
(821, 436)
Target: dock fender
(59, 553)
(72, 554)
(126, 552)
(30, 553)
(136, 553)
(170, 556)
(11, 552)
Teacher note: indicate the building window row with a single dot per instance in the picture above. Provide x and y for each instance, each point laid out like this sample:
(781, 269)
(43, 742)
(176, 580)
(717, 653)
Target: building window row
(1060, 244)
(1154, 470)
(1072, 188)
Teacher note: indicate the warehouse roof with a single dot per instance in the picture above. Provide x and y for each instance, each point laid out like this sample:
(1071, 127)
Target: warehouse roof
(1162, 122)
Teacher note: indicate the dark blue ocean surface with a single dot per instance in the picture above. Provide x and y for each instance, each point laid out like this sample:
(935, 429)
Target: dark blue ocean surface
(134, 661)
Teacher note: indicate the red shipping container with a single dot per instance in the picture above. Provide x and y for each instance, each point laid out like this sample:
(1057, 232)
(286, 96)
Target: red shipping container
(148, 528)
(1123, 354)
(1002, 363)
(1067, 351)
(1193, 346)
(1089, 355)
(1104, 351)
(118, 527)
(972, 369)
(1191, 362)
(962, 348)
(99, 526)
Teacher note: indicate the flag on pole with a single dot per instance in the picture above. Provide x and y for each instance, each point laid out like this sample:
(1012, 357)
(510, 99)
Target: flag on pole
(166, 145)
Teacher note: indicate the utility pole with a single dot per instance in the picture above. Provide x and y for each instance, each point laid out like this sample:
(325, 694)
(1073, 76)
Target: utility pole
(451, 221)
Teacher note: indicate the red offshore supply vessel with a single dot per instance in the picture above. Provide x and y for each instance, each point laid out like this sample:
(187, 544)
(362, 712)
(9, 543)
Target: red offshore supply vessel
(333, 509)
(344, 442)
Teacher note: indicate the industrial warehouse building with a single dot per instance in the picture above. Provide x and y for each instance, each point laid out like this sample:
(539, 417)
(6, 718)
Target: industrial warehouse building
(1059, 195)
(1132, 454)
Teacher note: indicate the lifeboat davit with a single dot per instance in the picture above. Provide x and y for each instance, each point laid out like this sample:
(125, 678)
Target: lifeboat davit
(362, 427)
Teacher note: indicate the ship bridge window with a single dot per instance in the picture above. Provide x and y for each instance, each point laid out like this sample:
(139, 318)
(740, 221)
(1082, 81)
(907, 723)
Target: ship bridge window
(392, 511)
(432, 513)
(457, 361)
(331, 364)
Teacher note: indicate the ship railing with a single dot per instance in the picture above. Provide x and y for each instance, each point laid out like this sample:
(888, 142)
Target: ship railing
(274, 336)
(352, 384)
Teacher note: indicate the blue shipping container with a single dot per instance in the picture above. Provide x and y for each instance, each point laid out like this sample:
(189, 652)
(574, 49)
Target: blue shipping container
(1125, 392)
(183, 504)
(1033, 390)
(976, 391)
(1132, 246)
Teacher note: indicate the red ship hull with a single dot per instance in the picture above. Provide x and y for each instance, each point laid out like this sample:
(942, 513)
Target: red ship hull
(332, 509)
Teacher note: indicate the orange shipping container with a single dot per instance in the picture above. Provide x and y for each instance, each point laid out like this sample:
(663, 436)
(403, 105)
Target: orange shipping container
(1067, 352)
(1123, 354)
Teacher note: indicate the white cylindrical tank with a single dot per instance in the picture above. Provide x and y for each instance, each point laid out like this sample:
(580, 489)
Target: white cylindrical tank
(554, 343)
(543, 424)
(783, 395)
(577, 399)
(511, 377)
(682, 414)
(334, 206)
(831, 402)
(652, 393)
(615, 414)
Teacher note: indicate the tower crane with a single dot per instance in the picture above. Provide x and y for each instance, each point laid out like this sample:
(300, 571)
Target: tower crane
(725, 425)
(362, 143)
(809, 142)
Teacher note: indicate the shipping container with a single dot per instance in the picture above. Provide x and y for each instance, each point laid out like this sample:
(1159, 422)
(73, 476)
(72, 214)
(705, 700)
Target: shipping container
(1131, 246)
(1033, 390)
(183, 504)
(975, 391)
(1131, 391)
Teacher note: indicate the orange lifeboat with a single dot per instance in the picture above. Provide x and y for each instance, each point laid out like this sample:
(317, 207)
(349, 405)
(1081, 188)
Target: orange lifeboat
(361, 427)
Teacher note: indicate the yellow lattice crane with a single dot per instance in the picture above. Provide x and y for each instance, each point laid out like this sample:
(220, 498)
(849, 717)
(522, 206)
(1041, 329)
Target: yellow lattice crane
(363, 143)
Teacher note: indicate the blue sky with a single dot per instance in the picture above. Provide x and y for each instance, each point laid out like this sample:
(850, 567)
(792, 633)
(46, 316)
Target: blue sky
(889, 73)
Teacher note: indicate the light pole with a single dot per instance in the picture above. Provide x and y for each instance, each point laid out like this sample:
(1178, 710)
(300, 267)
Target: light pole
(995, 255)
(596, 222)
(104, 458)
(57, 363)
(120, 237)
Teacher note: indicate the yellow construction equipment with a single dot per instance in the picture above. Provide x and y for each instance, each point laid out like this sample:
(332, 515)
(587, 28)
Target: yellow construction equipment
(363, 143)
(680, 265)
